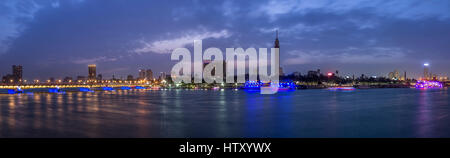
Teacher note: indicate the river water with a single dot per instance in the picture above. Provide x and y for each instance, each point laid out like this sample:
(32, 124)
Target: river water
(229, 113)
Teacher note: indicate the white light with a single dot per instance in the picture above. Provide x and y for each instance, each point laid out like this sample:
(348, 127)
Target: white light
(426, 64)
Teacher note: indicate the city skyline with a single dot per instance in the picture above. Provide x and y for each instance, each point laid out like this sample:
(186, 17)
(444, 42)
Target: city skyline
(54, 38)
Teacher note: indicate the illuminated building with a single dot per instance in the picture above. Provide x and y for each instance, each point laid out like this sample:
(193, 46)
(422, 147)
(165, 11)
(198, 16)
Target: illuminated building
(67, 79)
(404, 76)
(81, 78)
(426, 74)
(141, 74)
(395, 75)
(149, 75)
(92, 72)
(162, 76)
(391, 75)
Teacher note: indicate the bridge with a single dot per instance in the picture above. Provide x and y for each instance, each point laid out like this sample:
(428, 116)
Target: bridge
(32, 86)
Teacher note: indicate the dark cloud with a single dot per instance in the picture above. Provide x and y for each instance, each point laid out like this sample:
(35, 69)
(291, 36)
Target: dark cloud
(59, 38)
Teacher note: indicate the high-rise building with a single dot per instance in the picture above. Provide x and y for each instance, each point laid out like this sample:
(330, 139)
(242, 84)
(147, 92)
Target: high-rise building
(92, 72)
(396, 74)
(162, 76)
(130, 78)
(404, 76)
(141, 74)
(68, 79)
(149, 75)
(81, 78)
(426, 75)
(391, 75)
(17, 73)
(100, 77)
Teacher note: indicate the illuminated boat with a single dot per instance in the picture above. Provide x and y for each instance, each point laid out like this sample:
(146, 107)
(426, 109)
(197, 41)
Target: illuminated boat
(257, 85)
(340, 88)
(422, 84)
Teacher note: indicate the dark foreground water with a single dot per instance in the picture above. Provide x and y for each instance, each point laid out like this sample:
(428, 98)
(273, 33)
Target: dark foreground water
(187, 113)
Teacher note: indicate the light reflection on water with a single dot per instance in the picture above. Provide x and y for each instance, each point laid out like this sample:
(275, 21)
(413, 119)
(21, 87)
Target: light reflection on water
(187, 113)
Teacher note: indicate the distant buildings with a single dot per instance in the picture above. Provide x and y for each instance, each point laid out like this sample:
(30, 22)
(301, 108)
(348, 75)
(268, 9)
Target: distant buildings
(15, 77)
(149, 75)
(145, 75)
(92, 72)
(427, 74)
(99, 77)
(395, 75)
(17, 72)
(67, 79)
(130, 78)
(141, 74)
(162, 76)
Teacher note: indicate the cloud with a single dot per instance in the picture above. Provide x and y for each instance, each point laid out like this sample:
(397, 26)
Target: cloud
(299, 28)
(94, 60)
(12, 19)
(15, 15)
(166, 46)
(375, 55)
(404, 9)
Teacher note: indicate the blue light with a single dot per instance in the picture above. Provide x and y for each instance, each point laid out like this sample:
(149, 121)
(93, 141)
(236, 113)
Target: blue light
(284, 85)
(10, 91)
(107, 88)
(125, 88)
(53, 90)
(85, 90)
(139, 87)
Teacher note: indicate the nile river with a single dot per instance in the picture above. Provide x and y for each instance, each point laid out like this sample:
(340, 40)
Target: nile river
(229, 113)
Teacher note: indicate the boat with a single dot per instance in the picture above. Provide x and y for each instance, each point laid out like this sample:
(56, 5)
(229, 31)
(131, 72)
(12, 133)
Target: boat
(258, 85)
(424, 84)
(341, 88)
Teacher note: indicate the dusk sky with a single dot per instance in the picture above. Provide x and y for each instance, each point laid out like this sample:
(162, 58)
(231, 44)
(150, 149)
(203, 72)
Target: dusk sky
(52, 38)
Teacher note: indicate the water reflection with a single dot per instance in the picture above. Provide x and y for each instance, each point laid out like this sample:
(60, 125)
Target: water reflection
(187, 113)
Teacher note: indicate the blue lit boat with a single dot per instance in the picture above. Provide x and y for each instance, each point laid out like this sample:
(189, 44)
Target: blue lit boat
(257, 85)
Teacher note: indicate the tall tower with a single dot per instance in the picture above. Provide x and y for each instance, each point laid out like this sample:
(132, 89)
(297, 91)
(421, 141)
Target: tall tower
(277, 42)
(426, 75)
(92, 71)
(277, 45)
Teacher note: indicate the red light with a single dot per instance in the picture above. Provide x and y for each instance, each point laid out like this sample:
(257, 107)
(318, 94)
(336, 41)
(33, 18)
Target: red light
(330, 74)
